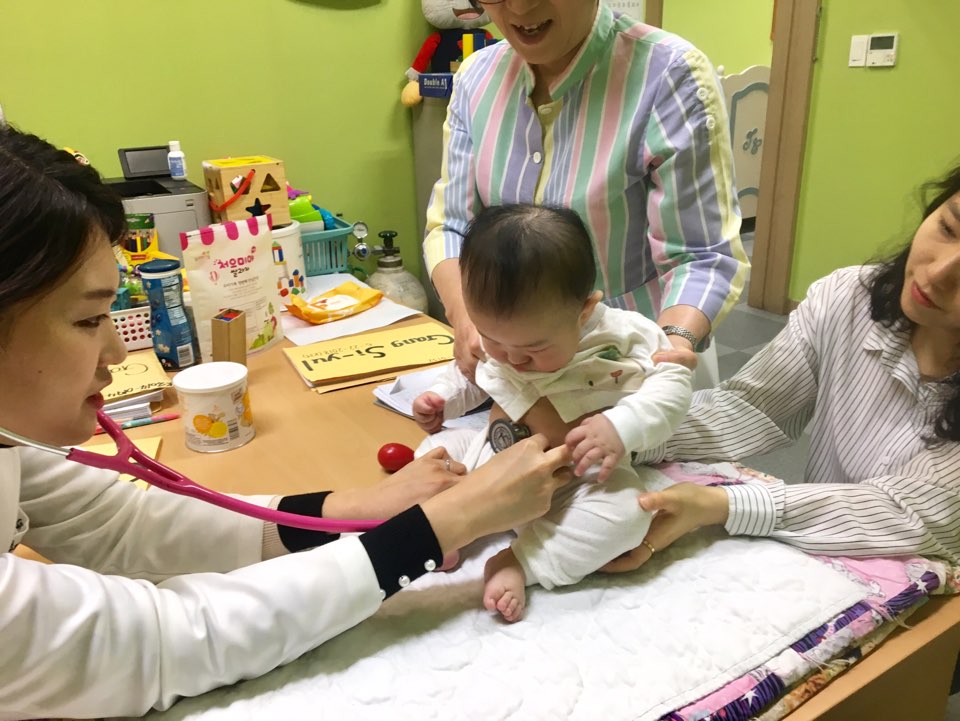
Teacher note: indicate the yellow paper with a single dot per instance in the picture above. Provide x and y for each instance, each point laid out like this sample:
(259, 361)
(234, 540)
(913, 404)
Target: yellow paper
(139, 373)
(369, 354)
(150, 446)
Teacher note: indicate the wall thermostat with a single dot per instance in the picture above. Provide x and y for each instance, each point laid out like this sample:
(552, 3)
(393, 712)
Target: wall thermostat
(882, 50)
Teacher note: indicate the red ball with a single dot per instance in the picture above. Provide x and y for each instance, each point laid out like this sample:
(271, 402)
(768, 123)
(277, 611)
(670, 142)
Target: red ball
(394, 456)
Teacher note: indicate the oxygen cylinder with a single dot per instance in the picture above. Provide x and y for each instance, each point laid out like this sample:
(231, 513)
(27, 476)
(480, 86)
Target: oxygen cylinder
(393, 280)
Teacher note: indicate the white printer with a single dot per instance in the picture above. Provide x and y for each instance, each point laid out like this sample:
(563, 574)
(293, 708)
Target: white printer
(146, 187)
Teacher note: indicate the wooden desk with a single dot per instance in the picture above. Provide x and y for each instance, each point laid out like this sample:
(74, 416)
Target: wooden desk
(310, 442)
(305, 441)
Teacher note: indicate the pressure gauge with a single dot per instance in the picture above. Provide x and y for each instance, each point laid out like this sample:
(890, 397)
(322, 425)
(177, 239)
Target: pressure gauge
(360, 250)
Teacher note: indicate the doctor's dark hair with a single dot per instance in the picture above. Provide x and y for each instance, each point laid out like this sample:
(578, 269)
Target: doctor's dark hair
(50, 206)
(518, 254)
(885, 285)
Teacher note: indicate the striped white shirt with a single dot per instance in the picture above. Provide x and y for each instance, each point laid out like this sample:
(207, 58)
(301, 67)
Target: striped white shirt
(635, 138)
(871, 486)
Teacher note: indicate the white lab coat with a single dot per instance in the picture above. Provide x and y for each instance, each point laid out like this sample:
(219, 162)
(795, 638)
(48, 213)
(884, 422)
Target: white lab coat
(153, 596)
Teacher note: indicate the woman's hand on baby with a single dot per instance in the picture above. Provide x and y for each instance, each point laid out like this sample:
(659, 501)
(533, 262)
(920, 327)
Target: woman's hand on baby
(428, 411)
(467, 350)
(417, 481)
(595, 440)
(512, 488)
(678, 510)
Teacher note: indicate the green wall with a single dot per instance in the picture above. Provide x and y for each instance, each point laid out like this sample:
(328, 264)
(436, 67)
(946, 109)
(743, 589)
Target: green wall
(875, 134)
(313, 82)
(732, 33)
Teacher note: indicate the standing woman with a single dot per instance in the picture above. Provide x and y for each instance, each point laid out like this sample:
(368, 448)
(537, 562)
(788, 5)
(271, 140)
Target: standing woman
(154, 596)
(623, 123)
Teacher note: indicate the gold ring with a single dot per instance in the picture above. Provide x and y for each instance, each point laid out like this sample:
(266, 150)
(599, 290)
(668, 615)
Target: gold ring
(446, 464)
(649, 546)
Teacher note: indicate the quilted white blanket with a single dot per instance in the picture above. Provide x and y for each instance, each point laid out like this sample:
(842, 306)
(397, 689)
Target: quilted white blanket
(634, 646)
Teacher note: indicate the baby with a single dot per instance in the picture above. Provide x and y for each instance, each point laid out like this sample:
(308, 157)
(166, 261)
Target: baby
(558, 362)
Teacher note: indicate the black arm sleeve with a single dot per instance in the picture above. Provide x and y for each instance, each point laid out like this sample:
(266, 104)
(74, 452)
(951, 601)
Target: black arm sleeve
(401, 549)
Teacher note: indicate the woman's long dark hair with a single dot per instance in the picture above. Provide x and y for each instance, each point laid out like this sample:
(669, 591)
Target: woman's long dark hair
(50, 207)
(885, 285)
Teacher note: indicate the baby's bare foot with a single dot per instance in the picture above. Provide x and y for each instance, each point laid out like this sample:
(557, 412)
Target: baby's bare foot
(504, 589)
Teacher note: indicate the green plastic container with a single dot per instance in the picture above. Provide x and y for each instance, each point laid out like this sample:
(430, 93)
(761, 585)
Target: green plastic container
(325, 251)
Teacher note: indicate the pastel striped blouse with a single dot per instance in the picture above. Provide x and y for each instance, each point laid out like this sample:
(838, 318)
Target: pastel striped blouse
(635, 139)
(872, 486)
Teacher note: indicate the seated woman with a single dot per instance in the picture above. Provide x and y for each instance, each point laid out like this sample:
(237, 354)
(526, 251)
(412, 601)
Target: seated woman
(871, 360)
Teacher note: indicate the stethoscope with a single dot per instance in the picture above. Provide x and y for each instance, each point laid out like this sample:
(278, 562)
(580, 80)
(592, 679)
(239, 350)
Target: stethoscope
(131, 460)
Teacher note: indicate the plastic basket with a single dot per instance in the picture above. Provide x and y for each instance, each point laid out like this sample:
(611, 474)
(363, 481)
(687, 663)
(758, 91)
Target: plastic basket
(133, 325)
(325, 251)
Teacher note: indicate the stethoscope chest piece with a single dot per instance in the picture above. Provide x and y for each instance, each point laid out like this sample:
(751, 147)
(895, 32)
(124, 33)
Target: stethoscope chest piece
(504, 433)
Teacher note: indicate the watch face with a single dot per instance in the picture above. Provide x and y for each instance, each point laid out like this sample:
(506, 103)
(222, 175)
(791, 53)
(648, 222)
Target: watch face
(360, 230)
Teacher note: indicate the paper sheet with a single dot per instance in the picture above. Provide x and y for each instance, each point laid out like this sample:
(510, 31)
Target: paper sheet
(399, 395)
(150, 446)
(383, 314)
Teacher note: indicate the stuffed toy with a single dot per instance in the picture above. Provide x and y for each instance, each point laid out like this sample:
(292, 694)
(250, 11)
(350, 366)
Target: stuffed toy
(444, 46)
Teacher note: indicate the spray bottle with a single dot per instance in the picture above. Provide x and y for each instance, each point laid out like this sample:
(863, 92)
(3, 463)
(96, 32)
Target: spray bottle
(391, 278)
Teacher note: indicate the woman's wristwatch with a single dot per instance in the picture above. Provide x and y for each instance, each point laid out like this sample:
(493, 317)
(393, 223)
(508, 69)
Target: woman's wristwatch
(682, 332)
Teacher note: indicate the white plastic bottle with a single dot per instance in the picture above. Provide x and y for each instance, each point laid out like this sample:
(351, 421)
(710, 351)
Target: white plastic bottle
(176, 161)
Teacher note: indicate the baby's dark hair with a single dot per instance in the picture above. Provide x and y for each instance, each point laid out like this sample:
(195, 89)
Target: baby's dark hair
(514, 253)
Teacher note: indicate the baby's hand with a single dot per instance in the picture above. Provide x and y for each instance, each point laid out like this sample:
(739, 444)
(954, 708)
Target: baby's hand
(428, 411)
(595, 439)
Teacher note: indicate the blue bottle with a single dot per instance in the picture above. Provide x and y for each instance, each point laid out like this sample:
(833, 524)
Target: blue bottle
(173, 341)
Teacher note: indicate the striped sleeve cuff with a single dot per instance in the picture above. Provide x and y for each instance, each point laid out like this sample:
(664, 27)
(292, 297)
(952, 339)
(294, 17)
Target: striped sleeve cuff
(650, 455)
(753, 509)
(440, 244)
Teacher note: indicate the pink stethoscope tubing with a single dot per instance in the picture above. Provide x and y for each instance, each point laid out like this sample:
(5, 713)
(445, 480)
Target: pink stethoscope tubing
(131, 460)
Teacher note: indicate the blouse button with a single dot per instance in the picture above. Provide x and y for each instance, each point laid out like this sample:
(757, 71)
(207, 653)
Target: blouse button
(711, 122)
(404, 581)
(383, 594)
(537, 157)
(430, 565)
(702, 93)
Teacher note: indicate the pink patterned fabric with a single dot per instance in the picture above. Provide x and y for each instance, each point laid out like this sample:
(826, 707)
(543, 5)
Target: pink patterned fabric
(897, 587)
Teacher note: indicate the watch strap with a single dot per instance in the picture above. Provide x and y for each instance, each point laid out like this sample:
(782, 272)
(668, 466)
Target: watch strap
(682, 332)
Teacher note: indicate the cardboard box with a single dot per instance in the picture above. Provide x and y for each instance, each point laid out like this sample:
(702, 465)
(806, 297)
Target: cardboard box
(267, 191)
(229, 336)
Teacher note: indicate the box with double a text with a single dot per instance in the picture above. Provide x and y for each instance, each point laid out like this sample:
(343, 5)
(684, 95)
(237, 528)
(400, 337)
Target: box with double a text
(436, 85)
